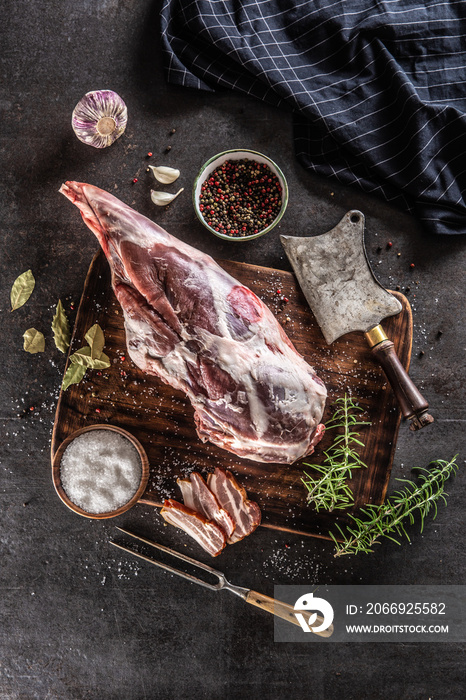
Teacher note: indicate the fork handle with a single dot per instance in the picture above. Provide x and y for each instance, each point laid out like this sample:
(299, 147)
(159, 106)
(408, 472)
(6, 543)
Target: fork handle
(283, 610)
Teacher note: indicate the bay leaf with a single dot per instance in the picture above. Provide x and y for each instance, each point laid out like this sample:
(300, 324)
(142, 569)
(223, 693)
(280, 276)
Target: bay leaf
(101, 362)
(22, 289)
(73, 375)
(83, 357)
(61, 328)
(34, 341)
(96, 339)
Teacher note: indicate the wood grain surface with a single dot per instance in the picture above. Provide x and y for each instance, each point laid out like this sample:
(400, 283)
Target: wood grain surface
(162, 418)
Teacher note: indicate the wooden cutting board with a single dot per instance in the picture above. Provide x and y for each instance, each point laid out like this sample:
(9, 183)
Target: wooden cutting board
(162, 418)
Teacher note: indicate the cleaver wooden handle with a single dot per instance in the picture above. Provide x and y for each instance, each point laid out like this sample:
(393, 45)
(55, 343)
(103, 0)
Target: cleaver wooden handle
(413, 404)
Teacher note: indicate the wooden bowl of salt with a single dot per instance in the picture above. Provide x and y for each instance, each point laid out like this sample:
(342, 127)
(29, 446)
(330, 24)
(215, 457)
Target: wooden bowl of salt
(100, 471)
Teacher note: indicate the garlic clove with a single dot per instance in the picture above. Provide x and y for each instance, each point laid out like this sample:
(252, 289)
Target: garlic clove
(161, 199)
(165, 174)
(99, 118)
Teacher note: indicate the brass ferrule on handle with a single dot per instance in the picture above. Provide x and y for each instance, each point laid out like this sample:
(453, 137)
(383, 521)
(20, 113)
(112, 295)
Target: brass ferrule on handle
(375, 335)
(413, 405)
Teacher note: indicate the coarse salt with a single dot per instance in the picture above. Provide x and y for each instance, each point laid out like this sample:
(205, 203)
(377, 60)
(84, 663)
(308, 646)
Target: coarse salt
(100, 471)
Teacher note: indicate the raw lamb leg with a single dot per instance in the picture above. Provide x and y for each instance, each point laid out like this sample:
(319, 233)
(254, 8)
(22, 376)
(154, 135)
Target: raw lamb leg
(198, 329)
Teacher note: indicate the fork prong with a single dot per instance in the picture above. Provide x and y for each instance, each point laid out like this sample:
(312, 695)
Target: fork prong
(174, 553)
(193, 579)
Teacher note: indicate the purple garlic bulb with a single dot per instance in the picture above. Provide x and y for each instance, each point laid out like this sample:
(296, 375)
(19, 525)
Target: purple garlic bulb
(99, 118)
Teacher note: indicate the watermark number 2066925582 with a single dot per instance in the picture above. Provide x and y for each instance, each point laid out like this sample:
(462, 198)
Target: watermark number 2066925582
(373, 613)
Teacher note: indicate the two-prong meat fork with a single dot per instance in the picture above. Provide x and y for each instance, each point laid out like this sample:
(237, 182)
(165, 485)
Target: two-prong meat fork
(271, 605)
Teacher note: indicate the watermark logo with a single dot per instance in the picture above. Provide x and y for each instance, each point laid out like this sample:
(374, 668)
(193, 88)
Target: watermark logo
(307, 602)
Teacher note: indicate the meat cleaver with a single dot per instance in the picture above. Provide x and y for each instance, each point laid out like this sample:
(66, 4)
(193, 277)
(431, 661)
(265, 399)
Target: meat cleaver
(344, 296)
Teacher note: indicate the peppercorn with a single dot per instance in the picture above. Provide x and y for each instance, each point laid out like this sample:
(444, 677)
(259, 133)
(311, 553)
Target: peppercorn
(135, 180)
(232, 195)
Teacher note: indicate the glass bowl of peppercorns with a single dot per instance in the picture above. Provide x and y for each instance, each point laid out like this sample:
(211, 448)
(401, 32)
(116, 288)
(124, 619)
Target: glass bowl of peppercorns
(240, 194)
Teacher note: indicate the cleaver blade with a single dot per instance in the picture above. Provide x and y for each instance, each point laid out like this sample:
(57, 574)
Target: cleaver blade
(335, 276)
(337, 281)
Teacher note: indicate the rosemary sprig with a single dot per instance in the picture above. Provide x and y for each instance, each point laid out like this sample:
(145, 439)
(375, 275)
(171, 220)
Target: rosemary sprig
(389, 520)
(331, 491)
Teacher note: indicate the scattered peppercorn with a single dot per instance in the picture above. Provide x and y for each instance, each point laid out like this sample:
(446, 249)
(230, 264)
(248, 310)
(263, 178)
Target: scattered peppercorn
(286, 300)
(412, 266)
(31, 408)
(97, 410)
(379, 249)
(172, 131)
(168, 148)
(421, 353)
(149, 155)
(123, 358)
(439, 334)
(407, 290)
(279, 291)
(397, 287)
(240, 198)
(398, 255)
(135, 180)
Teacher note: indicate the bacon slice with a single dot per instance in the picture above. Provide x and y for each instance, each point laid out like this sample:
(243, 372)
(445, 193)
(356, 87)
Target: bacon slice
(233, 498)
(205, 532)
(197, 496)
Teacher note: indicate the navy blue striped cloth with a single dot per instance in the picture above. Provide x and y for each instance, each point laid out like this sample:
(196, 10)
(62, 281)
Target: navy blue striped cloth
(377, 86)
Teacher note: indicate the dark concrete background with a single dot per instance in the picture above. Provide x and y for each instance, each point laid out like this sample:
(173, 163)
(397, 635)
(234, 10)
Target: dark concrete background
(79, 621)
